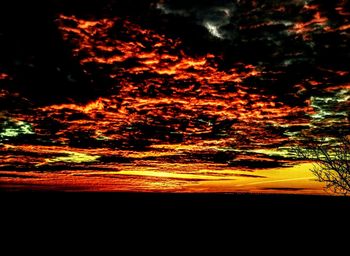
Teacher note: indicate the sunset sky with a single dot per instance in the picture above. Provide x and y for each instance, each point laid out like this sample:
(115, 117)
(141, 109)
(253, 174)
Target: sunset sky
(170, 95)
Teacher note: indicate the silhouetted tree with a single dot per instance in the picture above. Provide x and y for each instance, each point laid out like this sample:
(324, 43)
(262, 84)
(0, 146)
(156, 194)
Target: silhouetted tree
(331, 162)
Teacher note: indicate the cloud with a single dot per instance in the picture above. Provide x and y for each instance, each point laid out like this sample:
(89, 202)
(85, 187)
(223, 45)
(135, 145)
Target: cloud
(212, 16)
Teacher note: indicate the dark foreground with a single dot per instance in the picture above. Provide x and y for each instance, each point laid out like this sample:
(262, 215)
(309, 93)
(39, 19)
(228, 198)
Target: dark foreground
(115, 203)
(184, 216)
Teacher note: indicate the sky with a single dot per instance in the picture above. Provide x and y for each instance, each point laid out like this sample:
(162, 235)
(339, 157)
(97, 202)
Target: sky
(180, 96)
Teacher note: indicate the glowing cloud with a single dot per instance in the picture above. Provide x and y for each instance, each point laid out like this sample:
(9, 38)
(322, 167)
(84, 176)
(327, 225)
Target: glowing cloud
(213, 30)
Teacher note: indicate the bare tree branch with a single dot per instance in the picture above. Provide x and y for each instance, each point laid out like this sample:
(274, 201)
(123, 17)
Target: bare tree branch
(331, 162)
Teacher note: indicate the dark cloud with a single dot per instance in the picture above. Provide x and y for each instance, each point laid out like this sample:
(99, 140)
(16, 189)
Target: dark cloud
(223, 19)
(15, 175)
(213, 15)
(284, 189)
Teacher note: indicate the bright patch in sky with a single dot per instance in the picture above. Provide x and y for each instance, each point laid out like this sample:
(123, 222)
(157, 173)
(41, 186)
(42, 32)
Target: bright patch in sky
(15, 129)
(73, 157)
(213, 29)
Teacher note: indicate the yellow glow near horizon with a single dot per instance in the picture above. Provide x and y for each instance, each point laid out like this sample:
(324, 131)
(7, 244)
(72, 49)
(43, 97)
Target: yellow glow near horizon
(297, 180)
